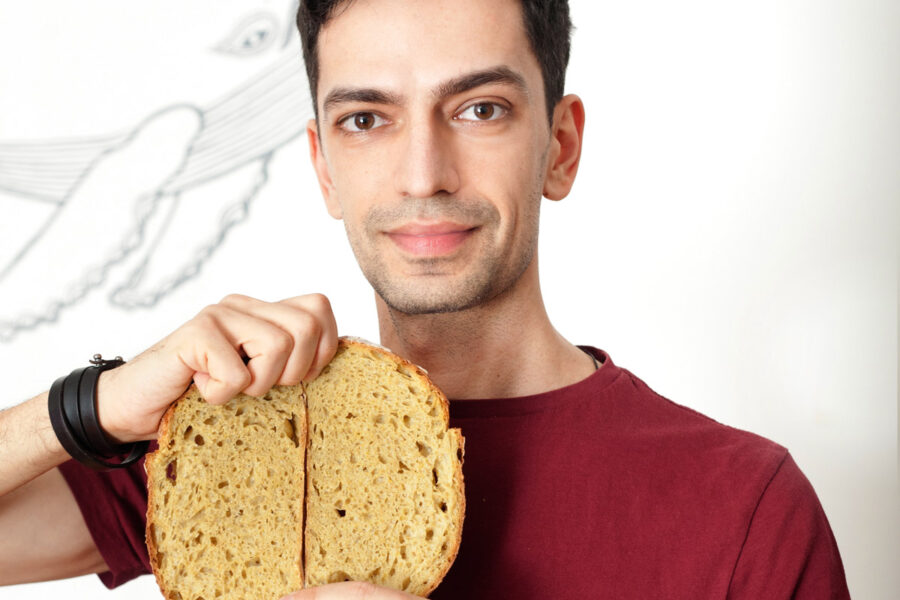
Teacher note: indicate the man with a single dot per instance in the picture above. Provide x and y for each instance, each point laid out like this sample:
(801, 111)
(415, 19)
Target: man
(439, 126)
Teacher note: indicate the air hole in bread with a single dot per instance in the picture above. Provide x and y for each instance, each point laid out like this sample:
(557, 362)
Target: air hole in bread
(171, 470)
(443, 507)
(293, 431)
(356, 438)
(198, 439)
(459, 454)
(187, 432)
(210, 420)
(338, 576)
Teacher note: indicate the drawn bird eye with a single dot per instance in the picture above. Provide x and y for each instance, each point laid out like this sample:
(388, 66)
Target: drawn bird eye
(251, 36)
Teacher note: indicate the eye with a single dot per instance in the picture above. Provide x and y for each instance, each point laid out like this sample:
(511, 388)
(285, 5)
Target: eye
(252, 35)
(361, 121)
(482, 111)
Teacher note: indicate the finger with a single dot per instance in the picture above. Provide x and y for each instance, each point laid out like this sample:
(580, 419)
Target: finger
(327, 342)
(303, 327)
(310, 322)
(349, 590)
(266, 345)
(220, 372)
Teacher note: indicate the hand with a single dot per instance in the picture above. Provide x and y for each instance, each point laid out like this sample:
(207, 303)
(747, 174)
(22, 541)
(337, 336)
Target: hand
(285, 342)
(349, 590)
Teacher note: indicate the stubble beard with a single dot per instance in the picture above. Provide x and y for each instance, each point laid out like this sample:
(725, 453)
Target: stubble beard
(433, 289)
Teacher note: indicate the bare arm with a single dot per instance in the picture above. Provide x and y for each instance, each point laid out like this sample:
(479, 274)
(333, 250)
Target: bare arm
(43, 534)
(28, 446)
(35, 500)
(238, 345)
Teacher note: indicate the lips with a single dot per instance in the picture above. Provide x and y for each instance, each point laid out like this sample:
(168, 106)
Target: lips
(430, 239)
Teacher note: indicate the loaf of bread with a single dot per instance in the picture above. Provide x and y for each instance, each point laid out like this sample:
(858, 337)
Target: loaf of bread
(355, 476)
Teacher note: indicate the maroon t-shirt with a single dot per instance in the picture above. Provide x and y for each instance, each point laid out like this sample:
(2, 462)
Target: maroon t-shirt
(602, 489)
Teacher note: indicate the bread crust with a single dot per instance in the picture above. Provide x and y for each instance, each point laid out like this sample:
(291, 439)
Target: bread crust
(152, 466)
(458, 482)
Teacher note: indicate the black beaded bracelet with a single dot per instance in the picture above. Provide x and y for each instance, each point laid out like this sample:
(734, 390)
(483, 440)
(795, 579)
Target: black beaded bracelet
(72, 405)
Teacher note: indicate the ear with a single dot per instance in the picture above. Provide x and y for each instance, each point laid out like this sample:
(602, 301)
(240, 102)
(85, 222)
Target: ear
(565, 147)
(317, 156)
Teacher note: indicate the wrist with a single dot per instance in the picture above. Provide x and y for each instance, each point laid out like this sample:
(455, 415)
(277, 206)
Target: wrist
(108, 395)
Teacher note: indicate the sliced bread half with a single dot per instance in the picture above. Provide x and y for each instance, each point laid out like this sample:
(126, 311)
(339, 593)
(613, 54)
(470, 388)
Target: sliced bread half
(378, 481)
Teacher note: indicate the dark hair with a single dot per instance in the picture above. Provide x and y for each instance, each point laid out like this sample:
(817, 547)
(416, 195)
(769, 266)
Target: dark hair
(547, 25)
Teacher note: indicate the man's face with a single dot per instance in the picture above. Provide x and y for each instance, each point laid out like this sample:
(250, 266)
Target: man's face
(434, 141)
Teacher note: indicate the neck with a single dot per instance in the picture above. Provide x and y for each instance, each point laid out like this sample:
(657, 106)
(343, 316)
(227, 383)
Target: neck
(503, 348)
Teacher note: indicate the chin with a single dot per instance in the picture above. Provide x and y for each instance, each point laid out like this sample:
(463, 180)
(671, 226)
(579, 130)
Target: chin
(445, 298)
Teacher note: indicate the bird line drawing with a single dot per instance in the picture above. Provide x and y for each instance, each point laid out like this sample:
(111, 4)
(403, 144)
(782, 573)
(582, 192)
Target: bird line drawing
(126, 203)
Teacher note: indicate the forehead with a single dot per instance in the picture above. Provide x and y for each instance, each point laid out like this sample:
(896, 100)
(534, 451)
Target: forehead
(407, 44)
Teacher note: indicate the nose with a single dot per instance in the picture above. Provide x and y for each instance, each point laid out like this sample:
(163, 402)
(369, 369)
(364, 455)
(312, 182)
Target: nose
(426, 166)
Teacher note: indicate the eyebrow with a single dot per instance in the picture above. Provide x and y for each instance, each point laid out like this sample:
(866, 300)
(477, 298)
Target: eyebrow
(470, 81)
(458, 85)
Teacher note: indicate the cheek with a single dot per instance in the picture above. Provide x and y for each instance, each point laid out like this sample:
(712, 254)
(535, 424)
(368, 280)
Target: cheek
(510, 176)
(356, 184)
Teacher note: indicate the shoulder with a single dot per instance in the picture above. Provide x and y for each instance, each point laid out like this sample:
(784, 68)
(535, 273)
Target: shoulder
(683, 451)
(649, 414)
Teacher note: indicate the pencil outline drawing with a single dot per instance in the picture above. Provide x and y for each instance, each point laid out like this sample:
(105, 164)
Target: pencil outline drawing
(238, 133)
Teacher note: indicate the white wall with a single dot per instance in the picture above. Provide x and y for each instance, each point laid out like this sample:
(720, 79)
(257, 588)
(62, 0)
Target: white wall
(732, 238)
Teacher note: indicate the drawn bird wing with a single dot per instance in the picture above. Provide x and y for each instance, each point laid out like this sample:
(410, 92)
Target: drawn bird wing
(251, 121)
(48, 170)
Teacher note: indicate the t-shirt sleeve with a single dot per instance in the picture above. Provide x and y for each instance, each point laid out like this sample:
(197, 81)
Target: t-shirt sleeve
(114, 507)
(790, 551)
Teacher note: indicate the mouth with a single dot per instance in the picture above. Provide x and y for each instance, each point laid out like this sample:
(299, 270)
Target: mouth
(430, 239)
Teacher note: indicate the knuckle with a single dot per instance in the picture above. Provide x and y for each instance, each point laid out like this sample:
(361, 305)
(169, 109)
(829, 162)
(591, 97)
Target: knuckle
(208, 315)
(236, 379)
(234, 299)
(319, 302)
(282, 342)
(306, 324)
(310, 302)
